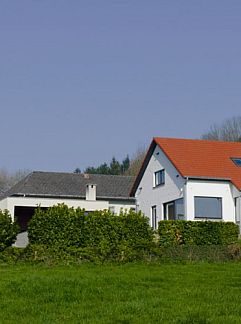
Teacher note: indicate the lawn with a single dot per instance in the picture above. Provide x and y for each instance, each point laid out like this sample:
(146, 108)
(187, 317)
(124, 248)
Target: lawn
(130, 293)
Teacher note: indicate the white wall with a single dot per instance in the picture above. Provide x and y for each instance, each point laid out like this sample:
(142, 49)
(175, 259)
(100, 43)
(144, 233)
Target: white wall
(147, 196)
(10, 202)
(210, 188)
(117, 206)
(176, 187)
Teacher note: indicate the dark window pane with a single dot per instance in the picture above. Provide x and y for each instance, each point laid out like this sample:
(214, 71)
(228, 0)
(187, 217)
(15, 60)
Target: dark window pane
(208, 207)
(154, 217)
(179, 208)
(159, 177)
(174, 209)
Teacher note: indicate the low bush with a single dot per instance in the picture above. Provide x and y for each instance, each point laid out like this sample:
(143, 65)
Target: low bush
(172, 233)
(54, 226)
(8, 230)
(65, 235)
(106, 235)
(12, 255)
(55, 255)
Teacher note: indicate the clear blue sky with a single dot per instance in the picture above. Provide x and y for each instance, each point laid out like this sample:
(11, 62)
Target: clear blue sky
(81, 81)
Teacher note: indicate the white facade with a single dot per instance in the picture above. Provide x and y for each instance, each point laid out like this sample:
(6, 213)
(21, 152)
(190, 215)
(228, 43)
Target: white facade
(47, 189)
(208, 188)
(10, 203)
(148, 196)
(175, 187)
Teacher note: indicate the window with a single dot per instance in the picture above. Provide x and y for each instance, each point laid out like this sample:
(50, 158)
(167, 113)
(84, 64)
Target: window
(237, 161)
(159, 178)
(236, 206)
(208, 207)
(153, 217)
(174, 210)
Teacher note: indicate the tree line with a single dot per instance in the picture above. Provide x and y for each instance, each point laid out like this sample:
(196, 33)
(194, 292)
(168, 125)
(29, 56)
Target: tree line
(125, 167)
(228, 130)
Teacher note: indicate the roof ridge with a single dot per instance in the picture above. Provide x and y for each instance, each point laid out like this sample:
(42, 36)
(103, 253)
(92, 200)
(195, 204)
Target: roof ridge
(197, 139)
(82, 174)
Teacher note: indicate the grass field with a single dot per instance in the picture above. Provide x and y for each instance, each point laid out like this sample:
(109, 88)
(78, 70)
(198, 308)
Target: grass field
(130, 293)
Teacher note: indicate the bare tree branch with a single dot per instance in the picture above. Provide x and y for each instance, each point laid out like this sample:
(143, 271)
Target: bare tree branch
(229, 130)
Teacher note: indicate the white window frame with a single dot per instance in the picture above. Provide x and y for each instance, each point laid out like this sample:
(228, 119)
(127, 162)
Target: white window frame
(211, 217)
(159, 178)
(154, 220)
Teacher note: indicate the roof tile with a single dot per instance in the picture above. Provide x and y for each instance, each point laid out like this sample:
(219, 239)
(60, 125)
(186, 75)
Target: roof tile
(202, 158)
(58, 184)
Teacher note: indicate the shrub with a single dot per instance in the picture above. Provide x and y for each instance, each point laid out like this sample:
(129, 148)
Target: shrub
(58, 225)
(106, 235)
(11, 255)
(8, 230)
(180, 232)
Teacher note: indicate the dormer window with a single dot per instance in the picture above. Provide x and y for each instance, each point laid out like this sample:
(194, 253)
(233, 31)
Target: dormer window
(237, 161)
(159, 178)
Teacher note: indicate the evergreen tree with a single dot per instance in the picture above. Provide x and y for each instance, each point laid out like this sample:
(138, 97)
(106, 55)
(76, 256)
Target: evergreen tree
(125, 164)
(115, 167)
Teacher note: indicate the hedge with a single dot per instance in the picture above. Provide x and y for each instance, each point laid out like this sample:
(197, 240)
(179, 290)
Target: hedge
(55, 255)
(103, 232)
(8, 230)
(179, 232)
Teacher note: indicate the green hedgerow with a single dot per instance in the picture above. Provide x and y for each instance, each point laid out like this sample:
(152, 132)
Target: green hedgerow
(110, 236)
(179, 232)
(8, 230)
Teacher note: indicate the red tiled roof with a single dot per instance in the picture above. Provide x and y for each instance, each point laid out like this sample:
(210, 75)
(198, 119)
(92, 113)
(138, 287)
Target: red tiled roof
(202, 158)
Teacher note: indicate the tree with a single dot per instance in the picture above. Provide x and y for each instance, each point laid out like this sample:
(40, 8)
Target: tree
(7, 180)
(102, 169)
(136, 162)
(229, 130)
(126, 167)
(115, 167)
(125, 164)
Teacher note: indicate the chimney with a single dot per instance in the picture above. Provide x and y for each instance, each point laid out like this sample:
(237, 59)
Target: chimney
(91, 192)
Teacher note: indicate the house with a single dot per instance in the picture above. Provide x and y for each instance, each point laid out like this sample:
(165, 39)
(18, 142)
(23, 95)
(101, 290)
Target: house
(190, 180)
(88, 191)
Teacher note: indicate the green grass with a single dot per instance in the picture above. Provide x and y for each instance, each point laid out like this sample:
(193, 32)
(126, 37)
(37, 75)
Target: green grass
(130, 293)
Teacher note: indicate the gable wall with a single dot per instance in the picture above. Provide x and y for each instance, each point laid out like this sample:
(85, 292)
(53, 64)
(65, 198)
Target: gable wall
(147, 196)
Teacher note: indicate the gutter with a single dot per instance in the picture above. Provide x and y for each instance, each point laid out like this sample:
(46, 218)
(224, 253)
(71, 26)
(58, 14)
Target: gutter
(70, 197)
(206, 178)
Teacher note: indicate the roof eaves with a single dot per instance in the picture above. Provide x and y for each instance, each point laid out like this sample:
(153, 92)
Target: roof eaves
(69, 196)
(213, 179)
(116, 198)
(29, 195)
(207, 178)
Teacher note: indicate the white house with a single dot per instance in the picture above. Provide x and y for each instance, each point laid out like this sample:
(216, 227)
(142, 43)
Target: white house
(88, 191)
(191, 180)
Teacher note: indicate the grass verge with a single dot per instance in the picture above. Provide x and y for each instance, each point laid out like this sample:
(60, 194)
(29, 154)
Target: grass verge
(128, 293)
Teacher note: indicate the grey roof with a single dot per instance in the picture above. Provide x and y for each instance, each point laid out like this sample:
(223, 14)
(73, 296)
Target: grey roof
(71, 185)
